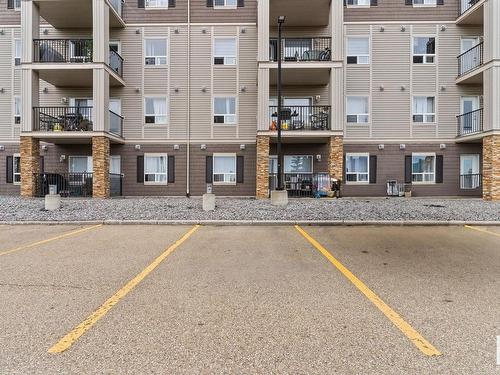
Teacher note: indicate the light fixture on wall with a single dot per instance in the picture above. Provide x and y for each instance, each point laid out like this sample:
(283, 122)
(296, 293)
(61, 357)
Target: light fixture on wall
(318, 158)
(443, 88)
(45, 31)
(403, 28)
(242, 147)
(403, 88)
(2, 32)
(62, 158)
(243, 30)
(382, 29)
(45, 90)
(203, 89)
(243, 89)
(203, 31)
(137, 90)
(64, 100)
(137, 31)
(2, 148)
(317, 98)
(402, 146)
(203, 147)
(176, 31)
(177, 147)
(2, 90)
(45, 147)
(137, 147)
(381, 88)
(381, 146)
(442, 146)
(443, 28)
(176, 89)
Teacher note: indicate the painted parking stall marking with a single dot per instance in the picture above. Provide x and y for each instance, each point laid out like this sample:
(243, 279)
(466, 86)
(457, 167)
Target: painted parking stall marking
(69, 339)
(42, 242)
(416, 338)
(482, 230)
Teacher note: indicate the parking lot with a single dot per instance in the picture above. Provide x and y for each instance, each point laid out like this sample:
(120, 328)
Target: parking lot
(249, 299)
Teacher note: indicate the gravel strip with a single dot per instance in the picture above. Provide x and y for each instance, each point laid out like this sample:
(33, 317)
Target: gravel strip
(179, 209)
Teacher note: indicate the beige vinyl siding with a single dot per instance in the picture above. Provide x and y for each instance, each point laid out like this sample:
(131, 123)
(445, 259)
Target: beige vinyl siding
(358, 79)
(298, 32)
(200, 13)
(247, 65)
(9, 16)
(7, 83)
(178, 104)
(133, 14)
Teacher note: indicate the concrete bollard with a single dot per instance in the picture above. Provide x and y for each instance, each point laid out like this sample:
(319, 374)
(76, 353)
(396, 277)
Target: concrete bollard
(52, 202)
(208, 202)
(279, 198)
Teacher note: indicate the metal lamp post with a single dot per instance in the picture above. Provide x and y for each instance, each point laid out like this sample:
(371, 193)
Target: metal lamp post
(281, 20)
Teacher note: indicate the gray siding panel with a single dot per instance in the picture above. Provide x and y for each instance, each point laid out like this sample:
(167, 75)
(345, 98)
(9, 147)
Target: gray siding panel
(133, 14)
(9, 16)
(200, 13)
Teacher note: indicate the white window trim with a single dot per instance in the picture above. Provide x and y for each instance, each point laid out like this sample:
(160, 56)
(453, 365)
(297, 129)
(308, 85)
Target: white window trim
(359, 37)
(425, 55)
(423, 114)
(14, 156)
(14, 110)
(358, 114)
(146, 7)
(424, 154)
(235, 169)
(225, 57)
(156, 64)
(166, 115)
(157, 183)
(226, 6)
(367, 182)
(235, 112)
(299, 155)
(17, 8)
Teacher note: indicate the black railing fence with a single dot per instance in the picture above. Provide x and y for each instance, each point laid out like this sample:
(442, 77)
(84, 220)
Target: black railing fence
(115, 123)
(466, 5)
(471, 181)
(302, 49)
(116, 62)
(470, 123)
(470, 59)
(303, 185)
(62, 50)
(118, 6)
(315, 117)
(54, 119)
(115, 184)
(65, 184)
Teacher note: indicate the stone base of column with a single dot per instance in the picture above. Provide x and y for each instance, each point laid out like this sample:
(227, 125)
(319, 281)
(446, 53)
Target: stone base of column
(100, 159)
(30, 165)
(491, 168)
(262, 191)
(336, 157)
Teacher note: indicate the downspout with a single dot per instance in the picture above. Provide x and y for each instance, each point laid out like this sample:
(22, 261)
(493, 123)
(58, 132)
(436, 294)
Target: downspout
(188, 144)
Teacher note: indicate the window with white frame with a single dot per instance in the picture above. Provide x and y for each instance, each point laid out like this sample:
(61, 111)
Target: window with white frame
(155, 110)
(225, 110)
(17, 4)
(424, 2)
(359, 3)
(17, 109)
(424, 109)
(424, 50)
(156, 4)
(155, 169)
(225, 51)
(357, 168)
(224, 168)
(470, 177)
(358, 50)
(80, 169)
(298, 164)
(16, 159)
(17, 52)
(225, 3)
(357, 109)
(155, 51)
(423, 168)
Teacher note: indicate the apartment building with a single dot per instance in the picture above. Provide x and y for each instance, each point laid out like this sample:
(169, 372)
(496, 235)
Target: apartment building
(164, 97)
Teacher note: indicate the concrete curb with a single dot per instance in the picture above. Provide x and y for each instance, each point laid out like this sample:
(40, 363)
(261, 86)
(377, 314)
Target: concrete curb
(262, 222)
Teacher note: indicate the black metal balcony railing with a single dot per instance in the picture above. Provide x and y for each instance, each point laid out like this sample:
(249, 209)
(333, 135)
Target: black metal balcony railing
(67, 184)
(62, 50)
(115, 123)
(470, 59)
(466, 5)
(115, 184)
(303, 184)
(316, 117)
(470, 123)
(59, 119)
(302, 49)
(116, 62)
(117, 6)
(471, 181)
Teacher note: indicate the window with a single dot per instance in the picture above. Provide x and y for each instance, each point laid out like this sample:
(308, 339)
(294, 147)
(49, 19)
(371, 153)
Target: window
(225, 51)
(224, 169)
(18, 52)
(17, 4)
(423, 168)
(365, 3)
(17, 110)
(298, 164)
(424, 50)
(358, 50)
(470, 177)
(155, 169)
(357, 168)
(423, 109)
(155, 110)
(81, 169)
(224, 110)
(16, 159)
(115, 162)
(357, 109)
(424, 2)
(156, 4)
(225, 3)
(155, 52)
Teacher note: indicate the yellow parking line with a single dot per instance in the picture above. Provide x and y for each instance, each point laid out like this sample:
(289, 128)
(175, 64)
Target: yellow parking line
(420, 342)
(49, 240)
(483, 231)
(68, 340)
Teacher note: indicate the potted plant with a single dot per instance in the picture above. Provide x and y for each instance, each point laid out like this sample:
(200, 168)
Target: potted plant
(58, 127)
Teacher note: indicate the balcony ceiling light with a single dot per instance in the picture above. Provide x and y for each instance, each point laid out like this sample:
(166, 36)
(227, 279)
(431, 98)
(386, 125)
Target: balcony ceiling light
(281, 19)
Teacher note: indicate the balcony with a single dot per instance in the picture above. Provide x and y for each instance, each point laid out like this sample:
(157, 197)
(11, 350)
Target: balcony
(77, 14)
(70, 185)
(303, 185)
(471, 12)
(301, 118)
(468, 63)
(470, 123)
(73, 58)
(471, 181)
(301, 49)
(115, 124)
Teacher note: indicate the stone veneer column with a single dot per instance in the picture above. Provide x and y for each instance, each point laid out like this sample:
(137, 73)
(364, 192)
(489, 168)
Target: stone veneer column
(336, 157)
(30, 165)
(262, 167)
(100, 160)
(491, 167)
